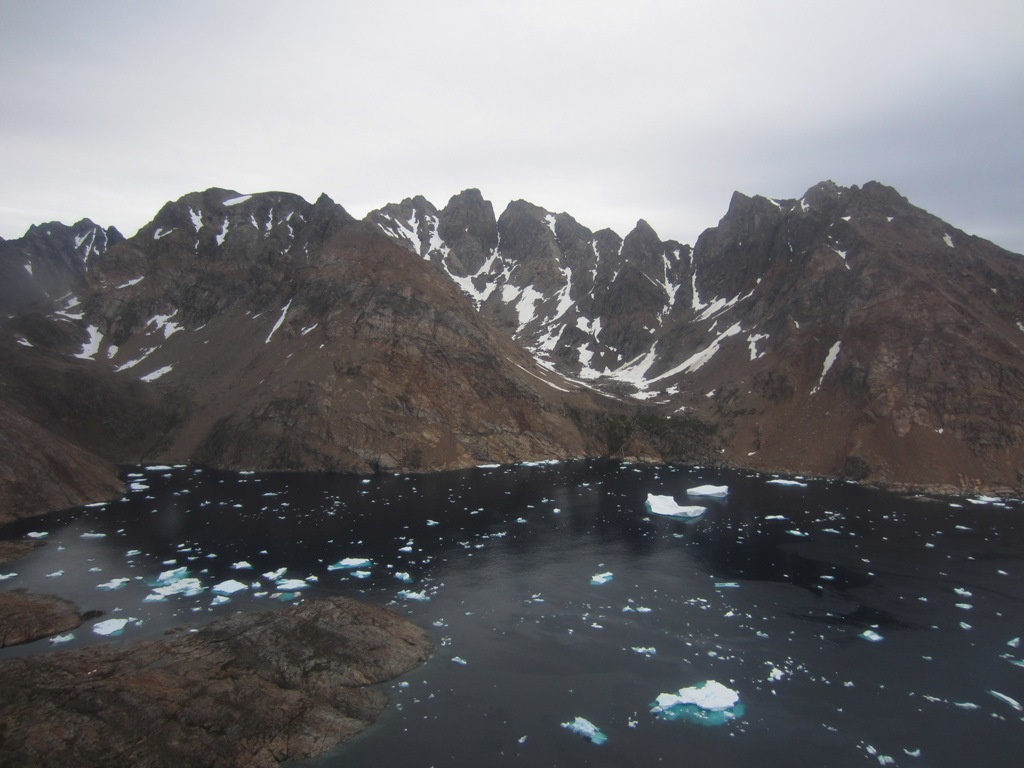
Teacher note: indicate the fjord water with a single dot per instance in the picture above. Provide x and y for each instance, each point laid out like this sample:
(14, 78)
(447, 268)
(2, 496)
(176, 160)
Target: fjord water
(857, 626)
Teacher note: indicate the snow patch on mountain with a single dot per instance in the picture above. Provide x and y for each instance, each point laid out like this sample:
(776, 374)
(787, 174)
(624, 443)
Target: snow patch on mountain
(830, 360)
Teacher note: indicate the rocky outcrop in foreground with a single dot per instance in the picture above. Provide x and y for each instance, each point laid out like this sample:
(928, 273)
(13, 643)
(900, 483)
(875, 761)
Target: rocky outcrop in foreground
(25, 617)
(253, 689)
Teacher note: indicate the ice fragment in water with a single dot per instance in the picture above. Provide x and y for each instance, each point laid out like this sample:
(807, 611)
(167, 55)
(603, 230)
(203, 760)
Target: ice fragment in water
(110, 627)
(38, 534)
(113, 584)
(361, 574)
(168, 577)
(707, 703)
(403, 577)
(229, 587)
(349, 563)
(708, 490)
(870, 634)
(586, 729)
(406, 594)
(274, 575)
(90, 535)
(62, 638)
(459, 660)
(666, 505)
(189, 587)
(291, 584)
(601, 578)
(55, 575)
(242, 565)
(220, 599)
(794, 483)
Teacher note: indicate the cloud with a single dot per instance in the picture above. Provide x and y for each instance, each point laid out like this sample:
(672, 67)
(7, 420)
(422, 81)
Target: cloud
(609, 111)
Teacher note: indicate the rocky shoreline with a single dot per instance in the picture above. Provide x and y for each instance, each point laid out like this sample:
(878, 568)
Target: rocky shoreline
(253, 689)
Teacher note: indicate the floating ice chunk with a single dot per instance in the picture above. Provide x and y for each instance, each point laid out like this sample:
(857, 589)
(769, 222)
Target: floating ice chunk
(133, 552)
(189, 587)
(220, 600)
(361, 574)
(229, 587)
(1004, 698)
(432, 522)
(645, 650)
(726, 585)
(708, 490)
(586, 729)
(799, 534)
(91, 535)
(708, 703)
(274, 575)
(794, 483)
(57, 639)
(1015, 643)
(288, 585)
(406, 594)
(242, 565)
(175, 574)
(601, 578)
(403, 577)
(38, 534)
(110, 627)
(870, 634)
(666, 505)
(349, 563)
(459, 660)
(113, 583)
(775, 675)
(963, 592)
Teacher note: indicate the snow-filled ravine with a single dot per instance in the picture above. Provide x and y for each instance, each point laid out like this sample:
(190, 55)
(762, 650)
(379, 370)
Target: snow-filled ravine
(805, 622)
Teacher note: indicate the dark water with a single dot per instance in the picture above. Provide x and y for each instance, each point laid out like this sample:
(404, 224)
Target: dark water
(768, 593)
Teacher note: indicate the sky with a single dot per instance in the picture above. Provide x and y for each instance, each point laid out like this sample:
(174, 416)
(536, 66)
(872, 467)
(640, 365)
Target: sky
(608, 111)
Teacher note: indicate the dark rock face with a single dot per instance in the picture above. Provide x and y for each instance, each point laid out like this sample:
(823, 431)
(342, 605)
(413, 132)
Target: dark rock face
(916, 323)
(25, 617)
(847, 332)
(48, 261)
(252, 689)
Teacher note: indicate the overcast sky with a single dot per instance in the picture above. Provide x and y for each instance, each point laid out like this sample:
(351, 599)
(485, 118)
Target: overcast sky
(609, 111)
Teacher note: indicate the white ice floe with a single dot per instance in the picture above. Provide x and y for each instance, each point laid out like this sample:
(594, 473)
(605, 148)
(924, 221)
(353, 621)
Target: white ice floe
(57, 639)
(666, 505)
(708, 490)
(711, 695)
(870, 634)
(187, 586)
(794, 483)
(586, 729)
(6, 576)
(229, 587)
(601, 578)
(242, 565)
(113, 583)
(38, 534)
(110, 627)
(407, 594)
(90, 535)
(290, 585)
(348, 563)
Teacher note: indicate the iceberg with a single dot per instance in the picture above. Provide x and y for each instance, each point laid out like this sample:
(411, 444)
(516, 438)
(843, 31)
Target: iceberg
(229, 587)
(169, 577)
(189, 587)
(406, 594)
(793, 483)
(601, 578)
(348, 563)
(707, 703)
(871, 635)
(113, 583)
(666, 505)
(708, 490)
(242, 565)
(586, 729)
(110, 627)
(289, 585)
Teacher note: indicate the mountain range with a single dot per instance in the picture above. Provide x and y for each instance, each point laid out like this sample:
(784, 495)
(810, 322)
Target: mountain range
(847, 333)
